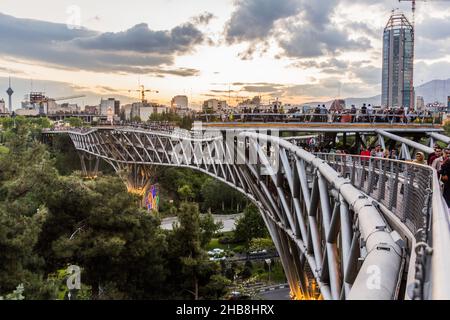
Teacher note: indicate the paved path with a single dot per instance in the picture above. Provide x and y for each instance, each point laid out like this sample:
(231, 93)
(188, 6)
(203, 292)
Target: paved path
(227, 220)
(277, 294)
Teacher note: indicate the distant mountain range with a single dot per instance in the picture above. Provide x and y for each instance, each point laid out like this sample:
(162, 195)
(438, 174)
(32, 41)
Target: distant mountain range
(432, 91)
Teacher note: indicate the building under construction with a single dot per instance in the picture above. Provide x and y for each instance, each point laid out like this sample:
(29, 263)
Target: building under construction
(398, 63)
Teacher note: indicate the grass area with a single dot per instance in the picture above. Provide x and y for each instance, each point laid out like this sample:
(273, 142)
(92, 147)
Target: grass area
(214, 243)
(3, 150)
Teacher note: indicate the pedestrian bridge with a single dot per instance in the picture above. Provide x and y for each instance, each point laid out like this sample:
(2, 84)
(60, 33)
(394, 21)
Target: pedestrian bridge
(345, 227)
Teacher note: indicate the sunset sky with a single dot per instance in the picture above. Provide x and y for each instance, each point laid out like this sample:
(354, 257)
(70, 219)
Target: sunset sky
(295, 50)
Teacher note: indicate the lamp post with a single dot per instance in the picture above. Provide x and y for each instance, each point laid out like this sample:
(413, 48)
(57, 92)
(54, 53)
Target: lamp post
(269, 263)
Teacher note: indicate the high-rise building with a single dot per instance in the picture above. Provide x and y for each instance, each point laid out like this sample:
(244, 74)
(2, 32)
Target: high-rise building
(180, 102)
(214, 105)
(420, 104)
(398, 63)
(2, 106)
(109, 103)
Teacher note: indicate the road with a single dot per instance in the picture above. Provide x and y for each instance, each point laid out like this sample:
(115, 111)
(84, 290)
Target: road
(278, 294)
(227, 220)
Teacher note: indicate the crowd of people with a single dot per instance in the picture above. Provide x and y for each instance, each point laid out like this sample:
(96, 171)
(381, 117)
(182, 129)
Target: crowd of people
(438, 160)
(159, 126)
(365, 114)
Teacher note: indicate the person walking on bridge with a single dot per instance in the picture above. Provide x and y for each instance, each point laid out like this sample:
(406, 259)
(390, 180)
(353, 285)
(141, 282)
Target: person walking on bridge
(445, 177)
(420, 158)
(434, 155)
(438, 162)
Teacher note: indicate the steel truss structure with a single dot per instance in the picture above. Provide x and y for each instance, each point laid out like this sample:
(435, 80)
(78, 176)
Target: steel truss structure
(331, 233)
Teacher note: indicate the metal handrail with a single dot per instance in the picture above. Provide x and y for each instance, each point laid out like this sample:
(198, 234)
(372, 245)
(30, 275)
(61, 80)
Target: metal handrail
(440, 244)
(436, 224)
(358, 117)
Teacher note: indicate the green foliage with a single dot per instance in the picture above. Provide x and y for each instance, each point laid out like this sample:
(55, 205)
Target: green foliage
(3, 150)
(447, 129)
(259, 244)
(18, 236)
(15, 295)
(74, 122)
(216, 287)
(246, 273)
(214, 195)
(221, 198)
(208, 229)
(182, 122)
(49, 221)
(185, 192)
(193, 279)
(118, 243)
(251, 225)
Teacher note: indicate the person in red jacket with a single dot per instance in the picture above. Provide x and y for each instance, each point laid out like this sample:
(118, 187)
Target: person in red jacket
(365, 153)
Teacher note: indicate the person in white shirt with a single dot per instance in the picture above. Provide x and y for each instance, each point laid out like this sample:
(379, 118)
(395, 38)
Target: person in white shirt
(378, 152)
(441, 157)
(370, 112)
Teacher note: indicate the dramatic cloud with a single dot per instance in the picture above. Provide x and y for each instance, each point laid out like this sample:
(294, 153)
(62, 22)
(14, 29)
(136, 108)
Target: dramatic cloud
(254, 19)
(203, 18)
(307, 29)
(63, 89)
(140, 38)
(365, 29)
(434, 28)
(137, 50)
(266, 88)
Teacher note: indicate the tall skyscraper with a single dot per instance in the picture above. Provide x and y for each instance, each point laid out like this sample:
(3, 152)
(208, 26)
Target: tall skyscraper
(398, 63)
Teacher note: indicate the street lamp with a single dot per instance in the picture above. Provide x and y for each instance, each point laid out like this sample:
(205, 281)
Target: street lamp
(269, 263)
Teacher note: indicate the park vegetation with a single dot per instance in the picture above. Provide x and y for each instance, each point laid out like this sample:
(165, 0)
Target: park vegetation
(51, 218)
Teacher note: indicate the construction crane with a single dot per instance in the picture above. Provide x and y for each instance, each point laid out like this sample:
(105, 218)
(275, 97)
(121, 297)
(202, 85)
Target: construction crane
(413, 5)
(142, 91)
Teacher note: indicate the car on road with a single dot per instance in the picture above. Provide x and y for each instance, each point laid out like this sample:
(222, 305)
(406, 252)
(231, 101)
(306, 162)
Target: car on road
(258, 252)
(217, 258)
(216, 251)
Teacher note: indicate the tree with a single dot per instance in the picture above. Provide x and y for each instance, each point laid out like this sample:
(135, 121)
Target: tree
(250, 226)
(120, 246)
(186, 192)
(15, 295)
(190, 269)
(18, 236)
(258, 244)
(75, 122)
(216, 287)
(220, 197)
(208, 229)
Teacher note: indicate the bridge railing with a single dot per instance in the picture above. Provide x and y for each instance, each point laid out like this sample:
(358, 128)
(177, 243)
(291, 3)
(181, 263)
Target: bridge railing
(413, 193)
(422, 119)
(402, 187)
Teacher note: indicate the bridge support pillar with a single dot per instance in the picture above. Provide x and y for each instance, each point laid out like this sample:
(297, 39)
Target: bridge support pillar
(138, 180)
(89, 164)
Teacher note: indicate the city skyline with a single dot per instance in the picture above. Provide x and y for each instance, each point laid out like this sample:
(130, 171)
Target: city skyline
(294, 50)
